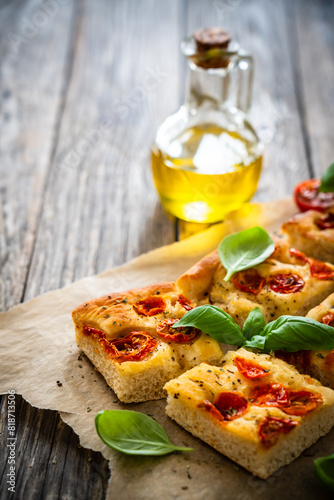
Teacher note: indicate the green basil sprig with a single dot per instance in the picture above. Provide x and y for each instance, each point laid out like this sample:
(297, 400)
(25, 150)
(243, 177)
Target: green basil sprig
(289, 333)
(133, 433)
(245, 249)
(214, 321)
(327, 180)
(324, 470)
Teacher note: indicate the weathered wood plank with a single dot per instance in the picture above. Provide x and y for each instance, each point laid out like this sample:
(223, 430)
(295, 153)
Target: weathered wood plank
(30, 97)
(50, 463)
(100, 207)
(314, 39)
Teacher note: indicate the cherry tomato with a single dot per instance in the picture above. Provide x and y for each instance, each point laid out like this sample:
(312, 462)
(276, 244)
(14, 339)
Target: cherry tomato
(271, 428)
(150, 306)
(286, 283)
(307, 196)
(328, 319)
(250, 369)
(181, 335)
(249, 281)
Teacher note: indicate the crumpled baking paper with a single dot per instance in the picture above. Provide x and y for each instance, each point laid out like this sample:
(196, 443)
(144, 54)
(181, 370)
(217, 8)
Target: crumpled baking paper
(41, 361)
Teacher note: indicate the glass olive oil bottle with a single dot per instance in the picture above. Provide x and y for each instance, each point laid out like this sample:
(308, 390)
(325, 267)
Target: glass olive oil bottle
(206, 158)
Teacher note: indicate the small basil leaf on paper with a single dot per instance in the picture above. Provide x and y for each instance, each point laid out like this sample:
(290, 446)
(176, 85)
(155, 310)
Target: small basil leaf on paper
(324, 470)
(293, 333)
(133, 433)
(327, 180)
(254, 324)
(214, 321)
(240, 251)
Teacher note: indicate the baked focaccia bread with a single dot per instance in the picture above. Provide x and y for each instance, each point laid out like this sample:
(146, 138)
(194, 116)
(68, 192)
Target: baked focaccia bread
(313, 233)
(286, 283)
(129, 338)
(256, 409)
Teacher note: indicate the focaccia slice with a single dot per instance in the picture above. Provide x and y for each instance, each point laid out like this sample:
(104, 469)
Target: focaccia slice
(255, 409)
(286, 283)
(129, 339)
(313, 233)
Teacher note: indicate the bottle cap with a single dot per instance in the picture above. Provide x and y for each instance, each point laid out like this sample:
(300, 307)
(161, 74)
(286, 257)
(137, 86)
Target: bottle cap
(212, 38)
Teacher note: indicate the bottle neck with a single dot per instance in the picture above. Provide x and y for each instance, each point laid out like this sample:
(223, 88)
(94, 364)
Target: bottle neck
(209, 88)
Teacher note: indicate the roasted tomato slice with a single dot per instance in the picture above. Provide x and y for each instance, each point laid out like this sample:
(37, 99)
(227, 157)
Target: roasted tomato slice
(250, 369)
(328, 319)
(186, 303)
(150, 306)
(248, 281)
(133, 347)
(298, 255)
(270, 395)
(231, 404)
(302, 402)
(210, 408)
(181, 335)
(286, 283)
(320, 270)
(307, 196)
(271, 428)
(325, 221)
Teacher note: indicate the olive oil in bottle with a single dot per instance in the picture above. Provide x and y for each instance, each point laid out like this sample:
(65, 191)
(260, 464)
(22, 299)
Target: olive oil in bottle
(206, 158)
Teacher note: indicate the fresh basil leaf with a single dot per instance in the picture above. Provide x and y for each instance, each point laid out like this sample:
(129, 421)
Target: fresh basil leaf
(293, 333)
(257, 342)
(327, 180)
(240, 251)
(324, 470)
(214, 321)
(254, 324)
(133, 433)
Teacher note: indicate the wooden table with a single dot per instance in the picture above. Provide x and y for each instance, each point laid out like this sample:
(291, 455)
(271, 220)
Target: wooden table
(77, 120)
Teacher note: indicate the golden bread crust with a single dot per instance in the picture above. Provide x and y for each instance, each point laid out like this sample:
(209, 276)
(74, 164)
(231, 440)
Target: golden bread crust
(196, 282)
(303, 233)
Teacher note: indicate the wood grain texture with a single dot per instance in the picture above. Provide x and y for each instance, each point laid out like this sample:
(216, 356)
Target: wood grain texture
(81, 101)
(49, 459)
(30, 100)
(100, 206)
(314, 39)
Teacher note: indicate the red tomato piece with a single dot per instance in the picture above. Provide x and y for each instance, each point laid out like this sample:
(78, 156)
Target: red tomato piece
(286, 283)
(308, 197)
(328, 319)
(231, 405)
(186, 303)
(302, 402)
(150, 306)
(298, 255)
(249, 281)
(320, 270)
(250, 369)
(211, 409)
(133, 347)
(325, 222)
(181, 335)
(270, 395)
(271, 428)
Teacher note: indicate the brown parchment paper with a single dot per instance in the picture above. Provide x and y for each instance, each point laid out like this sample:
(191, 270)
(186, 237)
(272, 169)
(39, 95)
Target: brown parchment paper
(47, 353)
